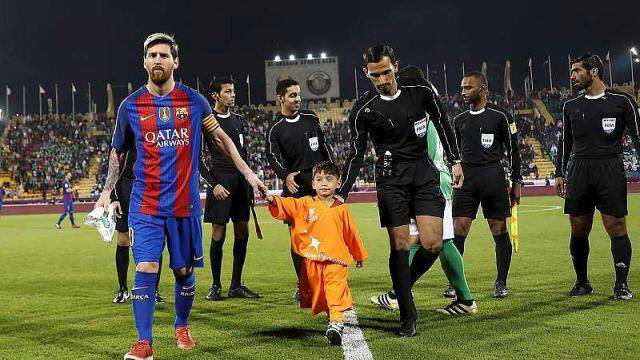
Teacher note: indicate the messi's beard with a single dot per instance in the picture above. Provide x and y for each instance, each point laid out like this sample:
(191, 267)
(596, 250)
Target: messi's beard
(159, 78)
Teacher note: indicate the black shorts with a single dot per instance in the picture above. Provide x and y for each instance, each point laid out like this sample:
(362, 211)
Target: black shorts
(123, 191)
(305, 187)
(483, 185)
(596, 183)
(236, 206)
(412, 188)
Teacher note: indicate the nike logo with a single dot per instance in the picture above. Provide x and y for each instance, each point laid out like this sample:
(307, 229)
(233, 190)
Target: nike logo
(188, 287)
(197, 258)
(138, 288)
(143, 118)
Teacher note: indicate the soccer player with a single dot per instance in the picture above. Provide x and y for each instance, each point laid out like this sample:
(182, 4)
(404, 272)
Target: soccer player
(589, 170)
(295, 145)
(450, 258)
(164, 121)
(407, 182)
(2, 194)
(67, 202)
(120, 197)
(228, 195)
(485, 132)
(324, 234)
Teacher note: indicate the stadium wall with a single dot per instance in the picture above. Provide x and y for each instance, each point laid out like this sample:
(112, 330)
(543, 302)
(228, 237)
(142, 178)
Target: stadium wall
(355, 197)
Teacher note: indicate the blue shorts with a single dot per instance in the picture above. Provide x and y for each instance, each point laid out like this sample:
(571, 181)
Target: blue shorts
(183, 235)
(68, 205)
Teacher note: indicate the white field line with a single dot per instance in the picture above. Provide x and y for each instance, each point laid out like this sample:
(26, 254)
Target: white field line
(354, 345)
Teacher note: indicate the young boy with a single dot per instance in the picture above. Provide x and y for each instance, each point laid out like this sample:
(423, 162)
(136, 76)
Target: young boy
(324, 234)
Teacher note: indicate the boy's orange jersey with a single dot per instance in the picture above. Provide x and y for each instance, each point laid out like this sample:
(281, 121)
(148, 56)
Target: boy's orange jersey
(320, 232)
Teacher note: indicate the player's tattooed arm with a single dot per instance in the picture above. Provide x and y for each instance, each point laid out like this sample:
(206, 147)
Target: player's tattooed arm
(113, 174)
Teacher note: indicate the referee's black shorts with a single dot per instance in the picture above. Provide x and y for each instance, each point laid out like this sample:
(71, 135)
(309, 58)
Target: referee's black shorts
(123, 191)
(236, 206)
(305, 187)
(596, 184)
(412, 188)
(483, 185)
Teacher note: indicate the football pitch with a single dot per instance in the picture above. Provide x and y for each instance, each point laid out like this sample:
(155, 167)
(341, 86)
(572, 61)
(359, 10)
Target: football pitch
(56, 289)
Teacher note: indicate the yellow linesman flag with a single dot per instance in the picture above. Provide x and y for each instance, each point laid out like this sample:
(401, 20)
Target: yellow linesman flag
(515, 237)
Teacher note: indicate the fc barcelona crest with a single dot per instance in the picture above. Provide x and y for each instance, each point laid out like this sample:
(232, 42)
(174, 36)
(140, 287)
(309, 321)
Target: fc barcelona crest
(182, 113)
(165, 114)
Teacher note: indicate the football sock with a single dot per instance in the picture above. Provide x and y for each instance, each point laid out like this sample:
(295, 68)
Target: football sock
(143, 299)
(122, 265)
(399, 270)
(621, 251)
(73, 220)
(185, 292)
(62, 216)
(579, 248)
(458, 241)
(297, 262)
(503, 256)
(215, 252)
(453, 267)
(159, 272)
(239, 255)
(413, 249)
(422, 262)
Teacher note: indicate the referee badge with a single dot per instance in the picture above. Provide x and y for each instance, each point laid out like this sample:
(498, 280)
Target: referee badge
(608, 125)
(487, 140)
(313, 143)
(420, 127)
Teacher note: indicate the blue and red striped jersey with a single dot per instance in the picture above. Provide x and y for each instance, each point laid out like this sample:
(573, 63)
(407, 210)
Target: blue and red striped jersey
(166, 133)
(66, 194)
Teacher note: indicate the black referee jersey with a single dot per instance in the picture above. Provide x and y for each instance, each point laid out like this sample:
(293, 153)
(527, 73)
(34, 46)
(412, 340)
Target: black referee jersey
(126, 174)
(233, 125)
(296, 143)
(593, 126)
(485, 135)
(397, 124)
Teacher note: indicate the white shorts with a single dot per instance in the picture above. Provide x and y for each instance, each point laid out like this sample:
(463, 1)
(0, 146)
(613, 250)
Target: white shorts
(447, 224)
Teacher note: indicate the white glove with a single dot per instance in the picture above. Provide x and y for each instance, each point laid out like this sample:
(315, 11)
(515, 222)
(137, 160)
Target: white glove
(105, 223)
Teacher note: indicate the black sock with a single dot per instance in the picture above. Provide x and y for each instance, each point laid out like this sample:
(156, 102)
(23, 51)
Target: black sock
(400, 277)
(579, 248)
(215, 252)
(122, 265)
(159, 273)
(458, 241)
(422, 262)
(297, 262)
(503, 256)
(239, 255)
(621, 251)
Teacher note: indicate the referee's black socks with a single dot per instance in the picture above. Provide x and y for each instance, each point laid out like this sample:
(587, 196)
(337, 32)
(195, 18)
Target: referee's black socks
(503, 256)
(239, 255)
(422, 262)
(122, 265)
(400, 276)
(579, 248)
(458, 241)
(215, 253)
(621, 251)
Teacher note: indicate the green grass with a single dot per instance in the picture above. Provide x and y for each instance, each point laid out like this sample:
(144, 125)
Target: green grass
(56, 289)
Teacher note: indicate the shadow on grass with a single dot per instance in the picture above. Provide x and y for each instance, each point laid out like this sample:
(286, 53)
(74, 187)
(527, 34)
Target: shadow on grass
(290, 333)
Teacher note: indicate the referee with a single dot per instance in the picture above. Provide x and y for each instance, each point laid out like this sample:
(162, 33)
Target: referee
(590, 173)
(229, 196)
(407, 182)
(120, 197)
(295, 145)
(485, 132)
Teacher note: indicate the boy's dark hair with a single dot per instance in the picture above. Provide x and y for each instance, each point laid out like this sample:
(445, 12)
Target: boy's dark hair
(590, 61)
(326, 167)
(283, 85)
(216, 83)
(375, 53)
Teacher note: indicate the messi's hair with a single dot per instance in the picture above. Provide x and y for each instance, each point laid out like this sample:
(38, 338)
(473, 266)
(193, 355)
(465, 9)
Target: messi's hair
(478, 75)
(216, 83)
(283, 85)
(590, 61)
(375, 53)
(161, 38)
(326, 167)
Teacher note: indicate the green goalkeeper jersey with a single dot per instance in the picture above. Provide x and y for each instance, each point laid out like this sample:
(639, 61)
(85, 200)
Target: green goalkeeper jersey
(436, 154)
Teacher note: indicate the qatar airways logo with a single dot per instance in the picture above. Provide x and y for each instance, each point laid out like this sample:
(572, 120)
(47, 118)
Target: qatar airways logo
(168, 137)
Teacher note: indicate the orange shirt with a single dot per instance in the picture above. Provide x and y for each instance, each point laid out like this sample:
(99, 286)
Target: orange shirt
(319, 232)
